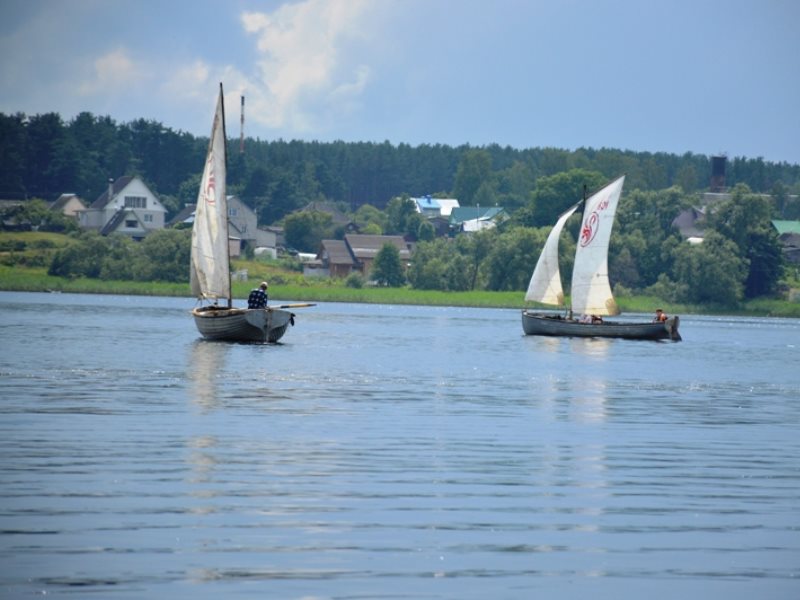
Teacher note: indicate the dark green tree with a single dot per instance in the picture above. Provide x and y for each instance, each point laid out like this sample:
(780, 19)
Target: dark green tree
(711, 272)
(441, 264)
(476, 248)
(643, 224)
(47, 137)
(746, 219)
(510, 263)
(555, 194)
(281, 199)
(429, 263)
(164, 256)
(121, 257)
(38, 215)
(13, 143)
(766, 263)
(367, 216)
(402, 217)
(387, 269)
(426, 232)
(515, 185)
(83, 258)
(305, 230)
(474, 170)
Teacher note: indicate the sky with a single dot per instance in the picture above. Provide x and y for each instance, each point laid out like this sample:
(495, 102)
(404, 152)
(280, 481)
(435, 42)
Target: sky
(701, 76)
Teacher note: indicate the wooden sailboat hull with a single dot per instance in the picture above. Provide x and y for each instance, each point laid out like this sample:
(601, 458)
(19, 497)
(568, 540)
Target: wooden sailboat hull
(553, 325)
(242, 324)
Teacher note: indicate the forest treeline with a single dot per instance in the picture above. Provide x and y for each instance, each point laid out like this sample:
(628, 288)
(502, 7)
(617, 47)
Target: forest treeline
(740, 258)
(42, 156)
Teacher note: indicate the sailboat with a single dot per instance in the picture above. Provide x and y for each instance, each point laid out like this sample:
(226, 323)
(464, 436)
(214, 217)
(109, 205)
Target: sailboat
(591, 296)
(210, 258)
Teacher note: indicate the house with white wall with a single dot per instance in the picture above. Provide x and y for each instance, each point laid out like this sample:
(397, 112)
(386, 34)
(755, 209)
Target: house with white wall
(435, 207)
(127, 206)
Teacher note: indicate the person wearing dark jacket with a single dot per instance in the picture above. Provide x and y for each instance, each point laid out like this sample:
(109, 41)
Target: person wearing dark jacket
(258, 297)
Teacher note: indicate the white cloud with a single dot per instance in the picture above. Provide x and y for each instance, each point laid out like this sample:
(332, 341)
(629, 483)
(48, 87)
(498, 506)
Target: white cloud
(187, 81)
(305, 69)
(113, 73)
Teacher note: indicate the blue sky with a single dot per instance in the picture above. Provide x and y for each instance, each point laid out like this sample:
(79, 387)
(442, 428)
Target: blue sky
(701, 76)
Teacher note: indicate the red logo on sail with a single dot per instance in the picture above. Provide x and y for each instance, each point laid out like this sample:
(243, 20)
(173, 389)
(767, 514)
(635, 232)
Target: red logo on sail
(592, 223)
(210, 193)
(589, 229)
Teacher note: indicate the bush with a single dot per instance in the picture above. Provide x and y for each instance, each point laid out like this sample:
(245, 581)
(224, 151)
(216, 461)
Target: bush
(12, 246)
(668, 290)
(621, 291)
(355, 280)
(290, 263)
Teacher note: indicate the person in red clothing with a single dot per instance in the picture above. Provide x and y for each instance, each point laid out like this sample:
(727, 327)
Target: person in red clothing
(660, 317)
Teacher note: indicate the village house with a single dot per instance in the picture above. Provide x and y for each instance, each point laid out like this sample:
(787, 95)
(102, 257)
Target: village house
(355, 253)
(127, 207)
(69, 205)
(334, 259)
(338, 219)
(431, 208)
(691, 222)
(476, 218)
(366, 247)
(437, 212)
(789, 236)
(242, 227)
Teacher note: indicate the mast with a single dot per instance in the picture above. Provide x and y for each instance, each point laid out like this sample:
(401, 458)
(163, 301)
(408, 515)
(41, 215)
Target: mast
(225, 198)
(582, 206)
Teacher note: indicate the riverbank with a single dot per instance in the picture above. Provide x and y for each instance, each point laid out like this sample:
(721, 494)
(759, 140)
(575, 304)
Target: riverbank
(36, 280)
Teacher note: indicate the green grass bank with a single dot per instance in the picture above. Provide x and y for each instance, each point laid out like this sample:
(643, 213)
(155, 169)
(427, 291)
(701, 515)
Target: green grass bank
(24, 257)
(296, 288)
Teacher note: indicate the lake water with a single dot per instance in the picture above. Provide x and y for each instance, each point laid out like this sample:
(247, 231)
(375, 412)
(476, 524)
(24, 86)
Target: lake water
(392, 452)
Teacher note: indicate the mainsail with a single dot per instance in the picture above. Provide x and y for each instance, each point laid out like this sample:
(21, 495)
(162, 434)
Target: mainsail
(545, 284)
(591, 291)
(210, 274)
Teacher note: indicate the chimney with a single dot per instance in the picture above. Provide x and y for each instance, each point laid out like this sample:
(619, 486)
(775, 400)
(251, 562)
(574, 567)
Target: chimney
(110, 189)
(718, 174)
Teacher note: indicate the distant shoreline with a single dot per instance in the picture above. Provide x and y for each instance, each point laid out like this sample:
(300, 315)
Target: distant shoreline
(34, 280)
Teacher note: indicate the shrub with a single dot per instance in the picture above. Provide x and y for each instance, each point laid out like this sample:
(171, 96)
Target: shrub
(355, 280)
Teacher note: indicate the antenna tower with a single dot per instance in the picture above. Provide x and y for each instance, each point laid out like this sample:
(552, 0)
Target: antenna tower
(241, 130)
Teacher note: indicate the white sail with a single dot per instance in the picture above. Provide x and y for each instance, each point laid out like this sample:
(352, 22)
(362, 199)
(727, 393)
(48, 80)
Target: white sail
(210, 276)
(545, 284)
(591, 291)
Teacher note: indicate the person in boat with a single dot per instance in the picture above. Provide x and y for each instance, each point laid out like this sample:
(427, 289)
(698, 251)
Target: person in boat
(660, 317)
(593, 319)
(258, 297)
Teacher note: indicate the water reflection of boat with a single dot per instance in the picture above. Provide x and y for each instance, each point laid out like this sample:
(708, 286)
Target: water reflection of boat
(594, 347)
(206, 362)
(210, 262)
(591, 292)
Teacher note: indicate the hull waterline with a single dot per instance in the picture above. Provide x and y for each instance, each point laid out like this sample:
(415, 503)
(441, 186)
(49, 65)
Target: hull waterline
(242, 324)
(553, 325)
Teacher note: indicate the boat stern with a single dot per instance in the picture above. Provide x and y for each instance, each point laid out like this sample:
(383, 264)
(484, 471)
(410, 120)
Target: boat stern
(671, 326)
